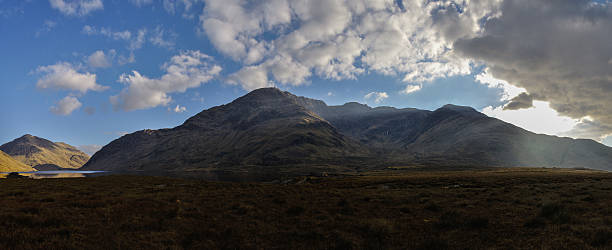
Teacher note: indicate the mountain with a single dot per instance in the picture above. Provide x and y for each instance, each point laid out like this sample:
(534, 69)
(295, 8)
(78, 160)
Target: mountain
(41, 153)
(264, 127)
(8, 164)
(269, 127)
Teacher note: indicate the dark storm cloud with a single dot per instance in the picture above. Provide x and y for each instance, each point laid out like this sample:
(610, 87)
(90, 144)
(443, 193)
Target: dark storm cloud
(588, 129)
(522, 101)
(558, 50)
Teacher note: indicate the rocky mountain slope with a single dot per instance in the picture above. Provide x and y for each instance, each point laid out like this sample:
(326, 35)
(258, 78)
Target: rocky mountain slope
(265, 127)
(38, 152)
(270, 127)
(8, 164)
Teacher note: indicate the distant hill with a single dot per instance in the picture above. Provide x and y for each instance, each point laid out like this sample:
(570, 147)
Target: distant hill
(38, 152)
(8, 164)
(269, 127)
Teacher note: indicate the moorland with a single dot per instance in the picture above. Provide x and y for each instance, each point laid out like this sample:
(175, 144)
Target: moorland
(524, 208)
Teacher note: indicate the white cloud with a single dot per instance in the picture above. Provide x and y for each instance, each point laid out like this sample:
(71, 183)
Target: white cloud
(162, 38)
(173, 6)
(342, 39)
(66, 77)
(410, 89)
(126, 59)
(135, 39)
(89, 30)
(100, 60)
(66, 105)
(178, 109)
(509, 91)
(377, 96)
(540, 118)
(139, 40)
(89, 149)
(170, 6)
(140, 3)
(76, 7)
(48, 25)
(251, 77)
(186, 70)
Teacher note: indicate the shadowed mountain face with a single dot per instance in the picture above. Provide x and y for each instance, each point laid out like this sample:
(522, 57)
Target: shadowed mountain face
(38, 152)
(265, 127)
(8, 164)
(271, 127)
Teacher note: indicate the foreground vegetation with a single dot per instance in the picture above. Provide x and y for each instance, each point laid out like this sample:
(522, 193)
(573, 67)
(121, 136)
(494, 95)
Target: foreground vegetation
(519, 208)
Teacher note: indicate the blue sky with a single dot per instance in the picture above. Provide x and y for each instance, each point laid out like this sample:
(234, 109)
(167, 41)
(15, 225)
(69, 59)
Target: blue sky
(87, 71)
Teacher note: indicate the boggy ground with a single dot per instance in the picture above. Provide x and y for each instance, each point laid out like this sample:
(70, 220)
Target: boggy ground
(506, 209)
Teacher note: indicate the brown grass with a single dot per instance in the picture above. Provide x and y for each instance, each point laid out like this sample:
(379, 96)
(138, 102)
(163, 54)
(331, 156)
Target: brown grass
(522, 208)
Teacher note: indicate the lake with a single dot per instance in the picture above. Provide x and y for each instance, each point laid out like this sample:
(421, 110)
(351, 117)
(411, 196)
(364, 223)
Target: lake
(58, 174)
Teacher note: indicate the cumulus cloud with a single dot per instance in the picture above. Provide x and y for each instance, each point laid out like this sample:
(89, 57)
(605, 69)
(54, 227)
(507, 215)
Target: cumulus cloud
(99, 59)
(289, 41)
(64, 76)
(558, 51)
(410, 89)
(76, 7)
(186, 70)
(178, 109)
(66, 105)
(377, 96)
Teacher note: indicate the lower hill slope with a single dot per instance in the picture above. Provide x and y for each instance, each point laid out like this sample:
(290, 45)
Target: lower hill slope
(8, 164)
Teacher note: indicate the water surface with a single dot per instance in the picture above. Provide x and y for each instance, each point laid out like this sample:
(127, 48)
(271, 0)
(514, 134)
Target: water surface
(58, 174)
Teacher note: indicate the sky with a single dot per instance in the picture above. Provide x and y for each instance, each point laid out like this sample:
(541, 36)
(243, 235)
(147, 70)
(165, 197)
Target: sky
(86, 72)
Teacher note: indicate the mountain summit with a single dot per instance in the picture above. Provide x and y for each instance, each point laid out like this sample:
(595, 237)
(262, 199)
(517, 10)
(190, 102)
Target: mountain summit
(270, 127)
(43, 154)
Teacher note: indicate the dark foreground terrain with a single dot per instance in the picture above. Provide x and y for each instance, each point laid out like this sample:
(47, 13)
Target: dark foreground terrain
(519, 208)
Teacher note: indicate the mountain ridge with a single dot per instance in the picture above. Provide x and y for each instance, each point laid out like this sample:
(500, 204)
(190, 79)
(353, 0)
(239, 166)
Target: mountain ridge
(270, 127)
(251, 130)
(35, 151)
